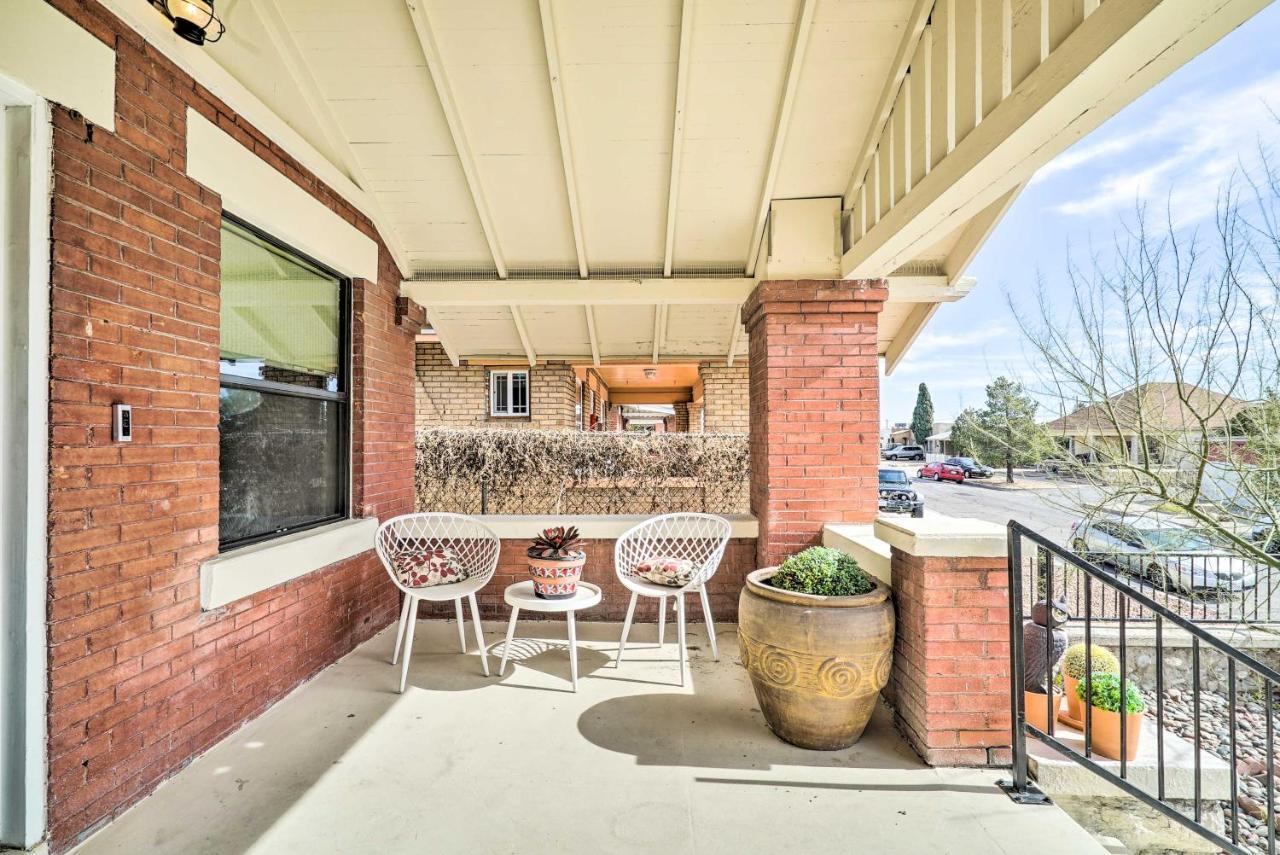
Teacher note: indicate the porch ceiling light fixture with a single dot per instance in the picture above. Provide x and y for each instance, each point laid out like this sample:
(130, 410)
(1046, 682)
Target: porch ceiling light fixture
(193, 20)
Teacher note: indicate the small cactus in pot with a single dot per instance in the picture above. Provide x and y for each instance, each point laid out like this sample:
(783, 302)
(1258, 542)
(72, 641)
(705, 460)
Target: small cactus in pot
(555, 563)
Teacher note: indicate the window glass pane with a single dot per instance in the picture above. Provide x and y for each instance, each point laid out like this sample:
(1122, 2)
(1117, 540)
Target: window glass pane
(499, 392)
(520, 392)
(280, 316)
(280, 462)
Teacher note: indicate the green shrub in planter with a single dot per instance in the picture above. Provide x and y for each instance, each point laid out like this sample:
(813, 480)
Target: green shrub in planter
(822, 571)
(1106, 694)
(1102, 661)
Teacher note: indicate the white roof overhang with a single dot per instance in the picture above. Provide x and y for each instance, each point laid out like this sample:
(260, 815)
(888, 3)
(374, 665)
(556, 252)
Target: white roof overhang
(538, 141)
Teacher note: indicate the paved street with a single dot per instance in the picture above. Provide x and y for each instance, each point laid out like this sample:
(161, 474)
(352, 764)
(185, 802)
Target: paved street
(1047, 511)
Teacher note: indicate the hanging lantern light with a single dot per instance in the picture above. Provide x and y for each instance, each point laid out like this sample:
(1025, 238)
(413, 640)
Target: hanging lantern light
(193, 20)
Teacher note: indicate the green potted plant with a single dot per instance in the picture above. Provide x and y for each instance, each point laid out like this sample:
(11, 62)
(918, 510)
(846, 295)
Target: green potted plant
(816, 635)
(555, 563)
(1073, 662)
(1104, 722)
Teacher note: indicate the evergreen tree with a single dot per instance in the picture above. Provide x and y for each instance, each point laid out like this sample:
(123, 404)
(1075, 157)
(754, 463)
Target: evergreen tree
(1005, 430)
(922, 416)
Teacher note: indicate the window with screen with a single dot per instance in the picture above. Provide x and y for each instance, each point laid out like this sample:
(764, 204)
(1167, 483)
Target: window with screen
(283, 397)
(509, 393)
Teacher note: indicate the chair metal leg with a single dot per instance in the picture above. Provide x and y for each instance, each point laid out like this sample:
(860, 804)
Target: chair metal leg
(408, 647)
(680, 635)
(711, 625)
(506, 647)
(404, 617)
(462, 624)
(573, 652)
(662, 619)
(475, 618)
(626, 628)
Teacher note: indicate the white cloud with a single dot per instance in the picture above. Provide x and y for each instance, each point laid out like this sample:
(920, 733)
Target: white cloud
(1196, 144)
(931, 341)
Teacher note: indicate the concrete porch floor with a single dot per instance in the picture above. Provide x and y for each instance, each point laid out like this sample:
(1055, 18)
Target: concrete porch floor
(631, 763)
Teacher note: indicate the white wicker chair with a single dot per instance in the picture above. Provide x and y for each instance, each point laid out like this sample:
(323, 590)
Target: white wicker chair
(473, 546)
(699, 538)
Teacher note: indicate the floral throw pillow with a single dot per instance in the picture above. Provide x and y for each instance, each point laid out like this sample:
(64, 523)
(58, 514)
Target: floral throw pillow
(429, 567)
(673, 572)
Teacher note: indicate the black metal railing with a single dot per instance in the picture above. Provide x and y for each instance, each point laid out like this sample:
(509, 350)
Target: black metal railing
(1249, 703)
(1197, 586)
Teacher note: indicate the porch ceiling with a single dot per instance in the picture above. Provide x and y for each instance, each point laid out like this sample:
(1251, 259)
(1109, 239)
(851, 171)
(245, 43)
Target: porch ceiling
(599, 139)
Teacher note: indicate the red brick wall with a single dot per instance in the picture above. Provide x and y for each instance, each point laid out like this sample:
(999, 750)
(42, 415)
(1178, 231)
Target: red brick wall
(739, 560)
(815, 408)
(950, 683)
(141, 680)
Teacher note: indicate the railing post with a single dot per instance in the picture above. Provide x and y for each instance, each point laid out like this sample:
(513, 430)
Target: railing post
(1019, 788)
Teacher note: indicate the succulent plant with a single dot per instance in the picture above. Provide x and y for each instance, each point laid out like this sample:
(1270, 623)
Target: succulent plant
(556, 543)
(1102, 661)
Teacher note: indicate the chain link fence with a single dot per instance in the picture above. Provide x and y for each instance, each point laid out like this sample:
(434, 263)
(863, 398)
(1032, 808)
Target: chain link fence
(481, 471)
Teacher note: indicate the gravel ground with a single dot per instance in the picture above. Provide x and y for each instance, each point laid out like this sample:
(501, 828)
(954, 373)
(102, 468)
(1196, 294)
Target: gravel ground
(1251, 751)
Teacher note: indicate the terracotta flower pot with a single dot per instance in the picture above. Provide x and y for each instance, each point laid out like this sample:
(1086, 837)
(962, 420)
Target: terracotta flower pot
(1075, 706)
(1105, 733)
(556, 578)
(1033, 702)
(817, 664)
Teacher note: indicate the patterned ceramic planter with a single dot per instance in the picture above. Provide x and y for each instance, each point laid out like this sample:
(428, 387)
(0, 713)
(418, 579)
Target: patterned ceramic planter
(556, 578)
(817, 664)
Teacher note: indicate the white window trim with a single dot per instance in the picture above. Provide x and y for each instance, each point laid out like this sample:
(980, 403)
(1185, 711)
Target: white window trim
(25, 182)
(509, 374)
(249, 569)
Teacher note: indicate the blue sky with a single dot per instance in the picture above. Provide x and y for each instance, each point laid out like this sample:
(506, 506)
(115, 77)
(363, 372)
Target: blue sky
(1176, 144)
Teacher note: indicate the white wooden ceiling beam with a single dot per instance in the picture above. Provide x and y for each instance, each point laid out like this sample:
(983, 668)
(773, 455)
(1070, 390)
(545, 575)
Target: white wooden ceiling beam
(888, 94)
(573, 292)
(735, 335)
(591, 334)
(1115, 54)
(907, 334)
(975, 234)
(552, 46)
(799, 44)
(677, 133)
(929, 289)
(518, 320)
(659, 329)
(299, 72)
(446, 342)
(440, 80)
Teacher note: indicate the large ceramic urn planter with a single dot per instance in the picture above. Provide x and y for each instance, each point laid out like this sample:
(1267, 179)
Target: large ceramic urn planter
(817, 664)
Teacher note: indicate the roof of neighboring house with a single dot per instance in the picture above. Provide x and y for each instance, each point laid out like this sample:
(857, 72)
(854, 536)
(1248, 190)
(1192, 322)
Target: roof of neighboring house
(1160, 406)
(939, 437)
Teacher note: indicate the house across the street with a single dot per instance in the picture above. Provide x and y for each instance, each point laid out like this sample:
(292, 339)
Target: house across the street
(1167, 417)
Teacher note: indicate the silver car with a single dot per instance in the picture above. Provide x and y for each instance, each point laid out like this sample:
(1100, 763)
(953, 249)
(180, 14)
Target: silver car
(1168, 555)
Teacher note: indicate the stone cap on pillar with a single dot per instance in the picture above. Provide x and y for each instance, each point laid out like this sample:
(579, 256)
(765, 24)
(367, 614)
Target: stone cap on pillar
(941, 536)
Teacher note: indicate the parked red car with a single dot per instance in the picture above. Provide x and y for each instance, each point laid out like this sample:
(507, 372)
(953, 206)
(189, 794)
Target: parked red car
(942, 472)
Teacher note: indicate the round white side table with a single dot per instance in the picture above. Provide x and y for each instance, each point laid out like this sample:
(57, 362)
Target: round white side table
(520, 596)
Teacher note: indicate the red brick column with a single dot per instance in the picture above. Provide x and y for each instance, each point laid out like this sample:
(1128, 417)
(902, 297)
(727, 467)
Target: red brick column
(814, 381)
(950, 682)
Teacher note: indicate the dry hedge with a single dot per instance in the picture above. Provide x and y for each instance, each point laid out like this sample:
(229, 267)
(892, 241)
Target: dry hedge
(498, 471)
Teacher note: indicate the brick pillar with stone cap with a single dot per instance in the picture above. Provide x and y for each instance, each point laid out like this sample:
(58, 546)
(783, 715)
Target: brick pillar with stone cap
(950, 681)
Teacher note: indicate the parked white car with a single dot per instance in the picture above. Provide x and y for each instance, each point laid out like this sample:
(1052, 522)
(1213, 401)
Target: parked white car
(903, 452)
(1164, 553)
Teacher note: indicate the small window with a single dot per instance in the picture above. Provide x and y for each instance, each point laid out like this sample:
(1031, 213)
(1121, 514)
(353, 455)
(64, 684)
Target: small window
(509, 393)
